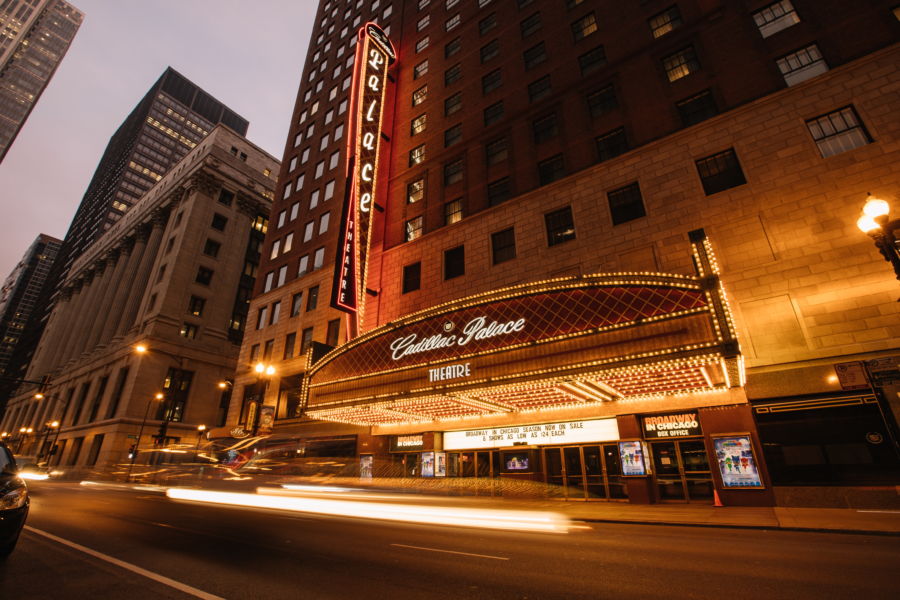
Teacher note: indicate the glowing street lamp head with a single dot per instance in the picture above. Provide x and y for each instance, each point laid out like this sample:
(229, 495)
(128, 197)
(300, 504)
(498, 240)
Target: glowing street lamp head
(54, 424)
(222, 385)
(38, 396)
(22, 430)
(159, 396)
(875, 208)
(270, 370)
(29, 430)
(260, 368)
(141, 348)
(201, 427)
(867, 224)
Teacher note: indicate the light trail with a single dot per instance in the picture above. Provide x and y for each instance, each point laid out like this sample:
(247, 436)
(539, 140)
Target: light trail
(423, 515)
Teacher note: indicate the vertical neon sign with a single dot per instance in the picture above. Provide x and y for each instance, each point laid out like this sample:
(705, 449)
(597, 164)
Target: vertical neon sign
(374, 54)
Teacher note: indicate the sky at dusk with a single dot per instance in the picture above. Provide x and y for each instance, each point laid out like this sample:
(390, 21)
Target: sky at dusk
(248, 55)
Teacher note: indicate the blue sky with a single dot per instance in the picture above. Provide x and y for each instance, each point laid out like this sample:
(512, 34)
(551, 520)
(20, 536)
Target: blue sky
(248, 55)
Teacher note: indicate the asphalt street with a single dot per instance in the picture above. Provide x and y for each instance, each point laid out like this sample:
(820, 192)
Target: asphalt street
(230, 552)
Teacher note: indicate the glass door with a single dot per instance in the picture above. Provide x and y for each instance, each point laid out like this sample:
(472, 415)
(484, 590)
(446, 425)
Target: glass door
(667, 465)
(593, 473)
(697, 476)
(574, 473)
(556, 486)
(468, 464)
(453, 464)
(618, 490)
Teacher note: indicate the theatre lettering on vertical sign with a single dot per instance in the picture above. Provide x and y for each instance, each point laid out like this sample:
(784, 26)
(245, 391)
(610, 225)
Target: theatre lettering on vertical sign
(374, 54)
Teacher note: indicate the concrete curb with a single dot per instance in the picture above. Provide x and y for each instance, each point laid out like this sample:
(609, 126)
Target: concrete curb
(738, 526)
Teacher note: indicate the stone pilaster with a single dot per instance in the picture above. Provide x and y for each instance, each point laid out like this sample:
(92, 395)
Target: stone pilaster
(142, 277)
(131, 252)
(115, 266)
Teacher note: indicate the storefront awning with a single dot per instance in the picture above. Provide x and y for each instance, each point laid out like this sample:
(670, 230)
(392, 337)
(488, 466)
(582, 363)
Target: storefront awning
(558, 343)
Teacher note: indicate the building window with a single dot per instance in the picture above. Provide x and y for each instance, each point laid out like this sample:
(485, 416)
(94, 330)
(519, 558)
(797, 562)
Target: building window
(453, 173)
(237, 322)
(219, 222)
(267, 350)
(282, 275)
(423, 22)
(296, 304)
(493, 113)
(261, 317)
(169, 245)
(304, 265)
(451, 3)
(838, 132)
(329, 194)
(323, 222)
(320, 169)
(151, 304)
(306, 341)
(414, 228)
(681, 64)
(593, 60)
(603, 101)
(697, 109)
(552, 169)
(313, 300)
(584, 26)
(530, 25)
(204, 276)
(453, 104)
(254, 353)
(275, 247)
(560, 226)
(452, 136)
(420, 95)
(485, 25)
(802, 65)
(308, 231)
(250, 268)
(313, 201)
(539, 89)
(490, 51)
(289, 342)
(454, 263)
(421, 69)
(612, 144)
(423, 3)
(451, 48)
(332, 337)
(535, 56)
(416, 155)
(626, 204)
(334, 159)
(496, 152)
(195, 306)
(415, 191)
(665, 21)
(453, 211)
(452, 22)
(452, 74)
(776, 17)
(211, 248)
(276, 312)
(418, 125)
(720, 172)
(225, 197)
(318, 258)
(270, 277)
(504, 245)
(498, 192)
(491, 82)
(422, 44)
(412, 277)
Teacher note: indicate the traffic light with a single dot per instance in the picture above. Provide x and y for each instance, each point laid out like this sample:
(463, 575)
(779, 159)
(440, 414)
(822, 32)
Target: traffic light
(131, 451)
(162, 431)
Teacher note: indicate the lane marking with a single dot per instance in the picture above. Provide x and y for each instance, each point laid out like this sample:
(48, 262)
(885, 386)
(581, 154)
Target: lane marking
(130, 567)
(450, 552)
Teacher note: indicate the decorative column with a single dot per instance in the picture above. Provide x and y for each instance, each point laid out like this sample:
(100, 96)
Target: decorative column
(74, 308)
(83, 325)
(56, 326)
(139, 286)
(131, 251)
(99, 314)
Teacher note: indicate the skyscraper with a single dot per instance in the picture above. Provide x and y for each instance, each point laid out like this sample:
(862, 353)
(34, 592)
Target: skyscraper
(34, 39)
(21, 289)
(170, 120)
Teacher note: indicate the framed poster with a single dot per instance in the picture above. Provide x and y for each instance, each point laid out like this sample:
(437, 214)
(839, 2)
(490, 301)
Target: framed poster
(266, 420)
(632, 454)
(427, 464)
(737, 465)
(440, 464)
(365, 467)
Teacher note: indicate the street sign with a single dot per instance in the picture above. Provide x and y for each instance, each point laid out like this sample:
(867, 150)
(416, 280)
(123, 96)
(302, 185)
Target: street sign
(852, 376)
(884, 371)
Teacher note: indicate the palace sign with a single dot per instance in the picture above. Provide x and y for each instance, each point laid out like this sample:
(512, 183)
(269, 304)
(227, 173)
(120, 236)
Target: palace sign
(374, 54)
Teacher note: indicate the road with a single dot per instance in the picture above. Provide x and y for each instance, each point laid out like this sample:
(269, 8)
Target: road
(237, 553)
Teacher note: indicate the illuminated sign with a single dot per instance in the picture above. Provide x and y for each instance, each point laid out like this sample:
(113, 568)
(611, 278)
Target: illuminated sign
(672, 425)
(405, 443)
(477, 329)
(570, 432)
(374, 54)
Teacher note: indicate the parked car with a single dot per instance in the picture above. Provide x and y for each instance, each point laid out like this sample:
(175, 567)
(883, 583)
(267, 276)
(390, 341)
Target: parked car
(14, 502)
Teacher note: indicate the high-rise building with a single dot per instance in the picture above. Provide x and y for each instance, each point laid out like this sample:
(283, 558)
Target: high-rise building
(35, 36)
(612, 249)
(20, 290)
(170, 120)
(174, 276)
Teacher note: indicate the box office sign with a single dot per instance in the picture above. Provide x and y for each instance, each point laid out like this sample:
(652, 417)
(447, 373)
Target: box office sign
(671, 425)
(569, 432)
(407, 443)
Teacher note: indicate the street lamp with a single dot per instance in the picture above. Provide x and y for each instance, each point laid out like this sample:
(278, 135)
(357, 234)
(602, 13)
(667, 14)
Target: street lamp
(24, 431)
(47, 427)
(138, 443)
(174, 385)
(875, 223)
(55, 424)
(200, 430)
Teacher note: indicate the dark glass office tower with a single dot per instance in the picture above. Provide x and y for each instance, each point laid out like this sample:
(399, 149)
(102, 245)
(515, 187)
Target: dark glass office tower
(170, 120)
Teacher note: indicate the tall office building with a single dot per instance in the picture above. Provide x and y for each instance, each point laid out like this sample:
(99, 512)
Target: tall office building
(612, 248)
(20, 290)
(170, 120)
(35, 36)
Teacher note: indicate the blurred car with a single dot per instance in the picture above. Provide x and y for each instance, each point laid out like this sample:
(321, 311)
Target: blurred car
(14, 502)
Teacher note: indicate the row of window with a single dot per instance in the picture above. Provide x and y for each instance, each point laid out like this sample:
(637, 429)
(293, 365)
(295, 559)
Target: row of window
(303, 268)
(833, 133)
(332, 337)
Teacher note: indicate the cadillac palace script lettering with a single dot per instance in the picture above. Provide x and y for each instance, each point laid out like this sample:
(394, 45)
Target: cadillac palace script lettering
(476, 329)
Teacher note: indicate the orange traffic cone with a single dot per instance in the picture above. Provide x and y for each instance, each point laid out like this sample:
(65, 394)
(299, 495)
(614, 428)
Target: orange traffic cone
(718, 501)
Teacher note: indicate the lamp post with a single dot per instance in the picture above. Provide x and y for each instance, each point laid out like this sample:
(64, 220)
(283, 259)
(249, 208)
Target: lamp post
(24, 431)
(200, 430)
(47, 427)
(875, 223)
(174, 385)
(138, 443)
(55, 424)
